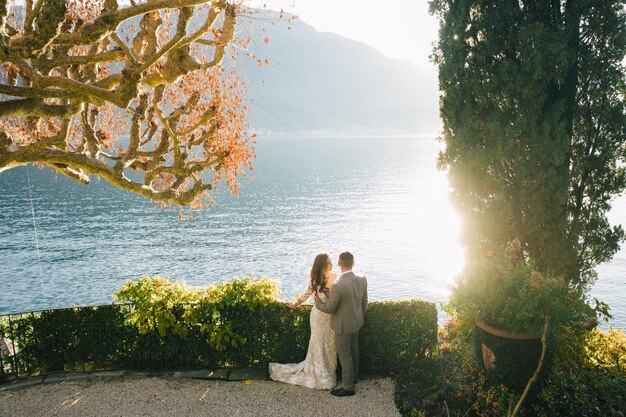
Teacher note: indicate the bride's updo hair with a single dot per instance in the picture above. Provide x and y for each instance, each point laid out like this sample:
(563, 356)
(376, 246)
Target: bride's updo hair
(318, 280)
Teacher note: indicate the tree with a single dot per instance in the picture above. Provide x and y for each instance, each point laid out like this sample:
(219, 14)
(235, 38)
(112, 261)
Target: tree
(535, 126)
(91, 88)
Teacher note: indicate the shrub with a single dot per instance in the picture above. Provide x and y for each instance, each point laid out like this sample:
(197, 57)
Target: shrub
(67, 339)
(453, 384)
(506, 291)
(154, 300)
(230, 308)
(606, 350)
(235, 323)
(572, 391)
(398, 333)
(160, 304)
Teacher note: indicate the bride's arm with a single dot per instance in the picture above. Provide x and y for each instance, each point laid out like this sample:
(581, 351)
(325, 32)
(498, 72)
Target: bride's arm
(308, 293)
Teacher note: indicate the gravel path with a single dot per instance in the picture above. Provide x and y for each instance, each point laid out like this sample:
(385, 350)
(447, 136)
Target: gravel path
(167, 396)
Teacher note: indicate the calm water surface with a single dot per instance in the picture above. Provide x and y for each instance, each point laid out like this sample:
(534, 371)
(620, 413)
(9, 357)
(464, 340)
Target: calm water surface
(381, 198)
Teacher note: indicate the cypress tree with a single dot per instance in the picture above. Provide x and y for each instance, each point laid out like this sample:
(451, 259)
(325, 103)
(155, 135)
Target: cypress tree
(534, 124)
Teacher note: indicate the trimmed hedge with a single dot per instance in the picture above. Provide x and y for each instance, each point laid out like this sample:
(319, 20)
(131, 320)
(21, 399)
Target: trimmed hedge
(396, 334)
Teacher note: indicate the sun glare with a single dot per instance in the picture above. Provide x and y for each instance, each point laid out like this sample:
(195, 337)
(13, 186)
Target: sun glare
(445, 255)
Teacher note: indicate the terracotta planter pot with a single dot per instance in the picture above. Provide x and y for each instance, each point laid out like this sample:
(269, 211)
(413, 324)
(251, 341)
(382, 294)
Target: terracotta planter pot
(506, 357)
(504, 334)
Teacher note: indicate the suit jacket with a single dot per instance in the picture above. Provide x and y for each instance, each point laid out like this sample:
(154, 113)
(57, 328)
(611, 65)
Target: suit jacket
(346, 303)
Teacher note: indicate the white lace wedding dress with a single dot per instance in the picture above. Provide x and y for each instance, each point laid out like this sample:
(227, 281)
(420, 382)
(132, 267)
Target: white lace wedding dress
(318, 368)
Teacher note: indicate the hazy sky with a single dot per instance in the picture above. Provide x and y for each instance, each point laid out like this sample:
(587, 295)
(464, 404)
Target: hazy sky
(398, 28)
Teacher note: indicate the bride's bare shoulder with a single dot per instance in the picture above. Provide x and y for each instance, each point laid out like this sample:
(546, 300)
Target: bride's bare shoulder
(332, 277)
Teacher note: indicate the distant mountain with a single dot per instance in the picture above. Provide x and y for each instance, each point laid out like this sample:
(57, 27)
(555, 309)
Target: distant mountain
(324, 82)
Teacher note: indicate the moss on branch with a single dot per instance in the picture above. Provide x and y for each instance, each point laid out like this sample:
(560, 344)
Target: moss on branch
(36, 107)
(48, 19)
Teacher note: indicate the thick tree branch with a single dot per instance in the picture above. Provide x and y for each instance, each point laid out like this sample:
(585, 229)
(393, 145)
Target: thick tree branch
(72, 173)
(31, 13)
(138, 116)
(95, 95)
(58, 141)
(129, 54)
(183, 18)
(208, 115)
(228, 32)
(37, 108)
(67, 60)
(108, 21)
(29, 92)
(49, 17)
(59, 159)
(4, 15)
(65, 70)
(113, 80)
(183, 63)
(208, 134)
(207, 42)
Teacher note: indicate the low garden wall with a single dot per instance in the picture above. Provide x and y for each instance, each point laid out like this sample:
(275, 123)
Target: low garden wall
(201, 335)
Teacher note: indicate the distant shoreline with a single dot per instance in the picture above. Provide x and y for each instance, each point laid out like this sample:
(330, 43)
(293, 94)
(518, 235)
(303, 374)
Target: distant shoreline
(343, 134)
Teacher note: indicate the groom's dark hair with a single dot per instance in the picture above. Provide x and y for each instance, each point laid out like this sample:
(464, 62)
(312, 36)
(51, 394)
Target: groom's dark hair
(346, 259)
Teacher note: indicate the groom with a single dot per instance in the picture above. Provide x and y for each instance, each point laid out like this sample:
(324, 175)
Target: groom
(346, 303)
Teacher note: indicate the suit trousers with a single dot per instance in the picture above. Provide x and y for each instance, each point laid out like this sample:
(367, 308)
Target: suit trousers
(348, 352)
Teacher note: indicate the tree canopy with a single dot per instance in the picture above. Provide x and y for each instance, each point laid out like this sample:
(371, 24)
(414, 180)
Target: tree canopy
(535, 126)
(92, 88)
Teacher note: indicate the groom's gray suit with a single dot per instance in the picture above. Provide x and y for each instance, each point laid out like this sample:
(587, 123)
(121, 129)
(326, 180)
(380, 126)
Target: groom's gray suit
(347, 303)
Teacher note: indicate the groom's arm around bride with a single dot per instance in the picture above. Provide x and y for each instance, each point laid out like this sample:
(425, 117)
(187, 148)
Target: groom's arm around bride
(346, 303)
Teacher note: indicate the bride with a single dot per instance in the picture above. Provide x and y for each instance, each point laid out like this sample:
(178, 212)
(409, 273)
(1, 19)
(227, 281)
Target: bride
(318, 368)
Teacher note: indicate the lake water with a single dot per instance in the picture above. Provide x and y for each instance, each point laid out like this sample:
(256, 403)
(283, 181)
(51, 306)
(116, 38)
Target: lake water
(379, 197)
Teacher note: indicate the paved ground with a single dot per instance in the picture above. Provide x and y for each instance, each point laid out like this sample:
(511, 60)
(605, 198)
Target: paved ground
(136, 395)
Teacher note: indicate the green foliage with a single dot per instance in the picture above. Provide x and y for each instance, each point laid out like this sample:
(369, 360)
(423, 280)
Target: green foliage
(236, 323)
(535, 126)
(398, 334)
(598, 172)
(160, 304)
(153, 300)
(455, 384)
(227, 306)
(67, 339)
(573, 389)
(606, 350)
(451, 383)
(534, 122)
(506, 291)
